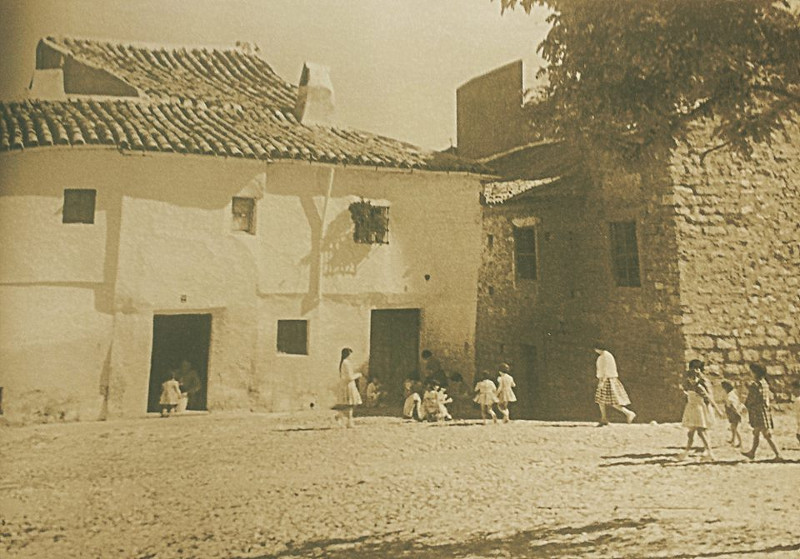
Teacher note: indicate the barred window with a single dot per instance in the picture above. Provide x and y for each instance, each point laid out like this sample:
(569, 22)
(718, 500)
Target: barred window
(78, 205)
(293, 337)
(244, 218)
(625, 254)
(525, 252)
(371, 223)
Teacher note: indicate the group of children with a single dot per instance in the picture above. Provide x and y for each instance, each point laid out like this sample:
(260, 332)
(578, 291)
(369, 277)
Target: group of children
(432, 404)
(700, 408)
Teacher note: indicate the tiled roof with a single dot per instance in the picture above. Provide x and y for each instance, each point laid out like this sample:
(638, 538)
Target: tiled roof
(200, 101)
(501, 191)
(216, 75)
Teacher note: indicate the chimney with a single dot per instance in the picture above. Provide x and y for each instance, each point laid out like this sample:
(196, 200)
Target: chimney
(314, 104)
(47, 84)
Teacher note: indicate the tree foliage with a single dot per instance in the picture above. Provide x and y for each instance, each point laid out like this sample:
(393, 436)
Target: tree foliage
(634, 74)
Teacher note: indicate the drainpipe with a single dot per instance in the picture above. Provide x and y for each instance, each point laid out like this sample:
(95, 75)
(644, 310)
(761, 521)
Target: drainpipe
(323, 230)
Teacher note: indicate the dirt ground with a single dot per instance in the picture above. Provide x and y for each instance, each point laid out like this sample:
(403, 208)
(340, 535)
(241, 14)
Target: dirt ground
(244, 486)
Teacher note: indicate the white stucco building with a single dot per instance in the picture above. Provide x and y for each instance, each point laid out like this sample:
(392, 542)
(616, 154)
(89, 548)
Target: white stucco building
(159, 204)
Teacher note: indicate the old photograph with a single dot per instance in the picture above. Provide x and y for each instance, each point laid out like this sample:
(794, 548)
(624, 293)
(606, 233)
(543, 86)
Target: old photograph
(425, 279)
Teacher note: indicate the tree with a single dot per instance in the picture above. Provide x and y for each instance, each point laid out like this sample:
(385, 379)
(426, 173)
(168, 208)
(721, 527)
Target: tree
(634, 74)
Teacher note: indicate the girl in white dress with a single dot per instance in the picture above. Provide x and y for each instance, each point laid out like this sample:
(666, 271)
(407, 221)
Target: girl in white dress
(505, 394)
(486, 396)
(696, 414)
(350, 395)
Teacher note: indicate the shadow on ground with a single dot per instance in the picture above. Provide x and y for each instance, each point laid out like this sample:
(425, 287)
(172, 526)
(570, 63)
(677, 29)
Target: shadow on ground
(543, 542)
(570, 541)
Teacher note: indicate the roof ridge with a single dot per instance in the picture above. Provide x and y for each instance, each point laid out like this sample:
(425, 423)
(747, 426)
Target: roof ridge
(58, 41)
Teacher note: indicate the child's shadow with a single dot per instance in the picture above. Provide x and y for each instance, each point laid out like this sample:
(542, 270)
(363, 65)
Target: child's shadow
(290, 429)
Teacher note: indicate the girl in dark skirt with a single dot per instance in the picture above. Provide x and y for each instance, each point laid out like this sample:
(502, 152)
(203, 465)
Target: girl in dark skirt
(758, 411)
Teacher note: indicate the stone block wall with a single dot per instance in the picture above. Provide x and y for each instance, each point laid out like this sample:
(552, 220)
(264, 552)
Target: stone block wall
(576, 300)
(739, 247)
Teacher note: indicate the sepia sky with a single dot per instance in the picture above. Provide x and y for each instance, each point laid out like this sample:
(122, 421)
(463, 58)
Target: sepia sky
(395, 65)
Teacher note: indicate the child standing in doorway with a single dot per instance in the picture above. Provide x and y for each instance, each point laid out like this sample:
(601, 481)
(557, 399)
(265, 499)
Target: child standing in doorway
(170, 395)
(734, 409)
(486, 397)
(505, 394)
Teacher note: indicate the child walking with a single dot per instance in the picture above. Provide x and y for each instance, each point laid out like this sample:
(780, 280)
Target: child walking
(486, 397)
(734, 409)
(696, 416)
(758, 411)
(505, 394)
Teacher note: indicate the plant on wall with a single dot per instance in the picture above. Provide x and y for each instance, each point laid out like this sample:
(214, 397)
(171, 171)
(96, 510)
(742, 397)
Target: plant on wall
(371, 222)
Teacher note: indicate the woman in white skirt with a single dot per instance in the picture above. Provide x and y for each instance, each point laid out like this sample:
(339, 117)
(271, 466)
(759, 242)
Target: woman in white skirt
(350, 396)
(610, 391)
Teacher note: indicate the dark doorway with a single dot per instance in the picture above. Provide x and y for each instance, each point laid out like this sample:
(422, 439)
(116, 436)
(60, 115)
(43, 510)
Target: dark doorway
(530, 385)
(179, 337)
(394, 348)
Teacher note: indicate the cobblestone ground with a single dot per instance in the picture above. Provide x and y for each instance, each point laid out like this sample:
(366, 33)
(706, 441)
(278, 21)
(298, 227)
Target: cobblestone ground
(243, 486)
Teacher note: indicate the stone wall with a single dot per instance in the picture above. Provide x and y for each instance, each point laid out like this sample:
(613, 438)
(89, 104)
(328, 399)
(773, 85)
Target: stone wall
(576, 300)
(739, 236)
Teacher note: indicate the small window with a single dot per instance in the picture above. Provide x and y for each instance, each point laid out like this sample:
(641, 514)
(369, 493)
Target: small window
(78, 205)
(625, 254)
(525, 252)
(293, 337)
(371, 223)
(244, 218)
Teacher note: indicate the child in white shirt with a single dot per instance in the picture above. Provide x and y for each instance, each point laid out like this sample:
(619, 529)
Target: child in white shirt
(486, 397)
(734, 409)
(505, 394)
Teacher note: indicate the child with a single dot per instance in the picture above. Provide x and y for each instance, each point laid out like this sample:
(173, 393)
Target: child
(374, 393)
(431, 409)
(460, 395)
(734, 410)
(696, 413)
(486, 397)
(411, 407)
(505, 394)
(796, 406)
(170, 395)
(443, 399)
(758, 411)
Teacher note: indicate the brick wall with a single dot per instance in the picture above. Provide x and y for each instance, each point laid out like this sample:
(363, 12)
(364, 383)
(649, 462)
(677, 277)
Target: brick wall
(739, 235)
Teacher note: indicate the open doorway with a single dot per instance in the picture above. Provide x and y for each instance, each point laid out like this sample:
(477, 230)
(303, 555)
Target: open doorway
(180, 341)
(394, 348)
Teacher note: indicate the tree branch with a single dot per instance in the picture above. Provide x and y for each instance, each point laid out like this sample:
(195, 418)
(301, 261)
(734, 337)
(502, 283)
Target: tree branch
(778, 91)
(712, 150)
